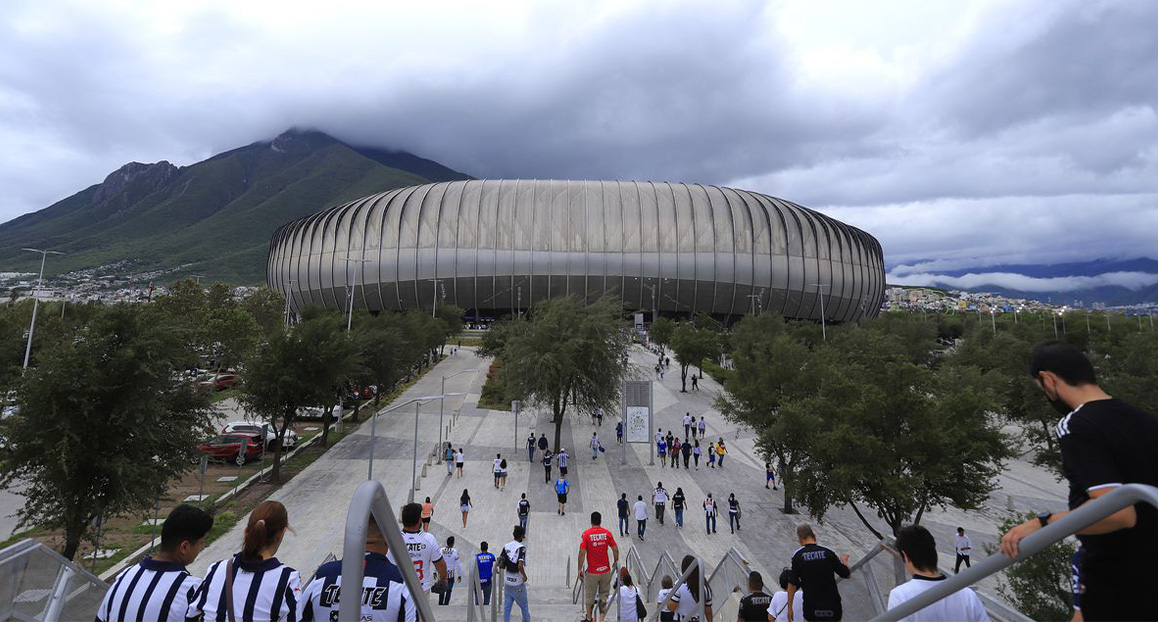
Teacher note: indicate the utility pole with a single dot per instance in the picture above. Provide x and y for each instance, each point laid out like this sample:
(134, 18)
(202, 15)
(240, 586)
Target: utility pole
(823, 327)
(289, 284)
(350, 289)
(434, 305)
(519, 294)
(36, 298)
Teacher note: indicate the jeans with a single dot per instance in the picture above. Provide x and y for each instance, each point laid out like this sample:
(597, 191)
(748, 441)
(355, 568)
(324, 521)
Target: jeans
(721, 461)
(449, 467)
(547, 469)
(523, 520)
(516, 595)
(687, 430)
(530, 454)
(710, 522)
(733, 521)
(642, 527)
(679, 512)
(444, 598)
(624, 526)
(960, 558)
(686, 456)
(486, 592)
(659, 512)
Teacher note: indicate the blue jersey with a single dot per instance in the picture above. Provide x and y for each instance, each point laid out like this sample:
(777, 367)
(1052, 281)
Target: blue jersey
(562, 486)
(486, 564)
(384, 595)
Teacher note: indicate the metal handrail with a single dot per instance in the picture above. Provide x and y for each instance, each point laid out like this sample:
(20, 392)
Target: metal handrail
(1077, 520)
(664, 558)
(370, 500)
(639, 572)
(474, 599)
(71, 582)
(654, 617)
(731, 558)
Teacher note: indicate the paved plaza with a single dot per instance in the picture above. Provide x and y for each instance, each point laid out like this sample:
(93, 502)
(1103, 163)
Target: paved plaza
(317, 499)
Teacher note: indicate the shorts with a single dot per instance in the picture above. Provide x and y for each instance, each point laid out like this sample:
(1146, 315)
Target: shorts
(425, 520)
(563, 471)
(464, 508)
(562, 496)
(458, 464)
(598, 588)
(769, 477)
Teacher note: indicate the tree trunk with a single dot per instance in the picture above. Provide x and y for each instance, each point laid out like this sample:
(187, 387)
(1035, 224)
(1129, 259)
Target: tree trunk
(789, 485)
(71, 544)
(683, 378)
(327, 417)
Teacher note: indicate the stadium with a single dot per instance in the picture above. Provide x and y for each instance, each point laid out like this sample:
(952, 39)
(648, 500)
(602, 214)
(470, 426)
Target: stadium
(495, 247)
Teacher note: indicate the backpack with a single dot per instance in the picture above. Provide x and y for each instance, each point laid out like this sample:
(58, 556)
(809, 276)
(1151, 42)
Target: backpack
(502, 562)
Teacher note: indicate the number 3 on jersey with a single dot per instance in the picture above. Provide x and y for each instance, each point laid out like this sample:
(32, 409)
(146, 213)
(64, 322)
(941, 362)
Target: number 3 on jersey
(418, 563)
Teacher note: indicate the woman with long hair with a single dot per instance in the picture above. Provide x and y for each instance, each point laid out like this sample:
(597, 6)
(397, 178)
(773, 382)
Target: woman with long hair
(253, 584)
(465, 505)
(629, 597)
(686, 600)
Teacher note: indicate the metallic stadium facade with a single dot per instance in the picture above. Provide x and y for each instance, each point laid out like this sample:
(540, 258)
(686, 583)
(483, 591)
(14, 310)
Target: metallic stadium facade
(494, 247)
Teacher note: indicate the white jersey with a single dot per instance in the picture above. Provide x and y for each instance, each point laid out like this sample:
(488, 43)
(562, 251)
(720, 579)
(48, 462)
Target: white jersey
(498, 465)
(424, 552)
(516, 552)
(960, 606)
(660, 496)
(453, 564)
(265, 590)
(150, 590)
(778, 609)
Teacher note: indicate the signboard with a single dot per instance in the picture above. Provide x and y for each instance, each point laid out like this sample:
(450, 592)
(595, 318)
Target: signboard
(636, 426)
(638, 321)
(637, 411)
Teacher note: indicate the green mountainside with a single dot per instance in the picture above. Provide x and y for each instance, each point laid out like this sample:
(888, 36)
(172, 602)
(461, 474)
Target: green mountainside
(213, 218)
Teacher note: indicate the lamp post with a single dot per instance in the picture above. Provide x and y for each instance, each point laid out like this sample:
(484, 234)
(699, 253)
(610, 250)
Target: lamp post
(288, 285)
(823, 327)
(434, 306)
(1055, 326)
(350, 288)
(440, 404)
(993, 319)
(417, 401)
(36, 298)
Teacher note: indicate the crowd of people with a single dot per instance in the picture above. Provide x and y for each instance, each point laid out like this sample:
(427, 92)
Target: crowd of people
(1105, 443)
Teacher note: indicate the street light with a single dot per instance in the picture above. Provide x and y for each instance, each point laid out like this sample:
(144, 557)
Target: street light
(434, 307)
(440, 404)
(36, 298)
(417, 401)
(823, 328)
(350, 288)
(993, 319)
(288, 285)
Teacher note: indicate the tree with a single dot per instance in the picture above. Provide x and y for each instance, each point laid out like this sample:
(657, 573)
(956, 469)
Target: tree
(267, 308)
(451, 318)
(661, 332)
(103, 424)
(691, 346)
(771, 366)
(567, 355)
(1039, 586)
(298, 367)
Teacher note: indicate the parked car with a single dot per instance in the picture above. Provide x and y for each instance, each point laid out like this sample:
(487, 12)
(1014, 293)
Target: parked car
(257, 429)
(220, 382)
(228, 447)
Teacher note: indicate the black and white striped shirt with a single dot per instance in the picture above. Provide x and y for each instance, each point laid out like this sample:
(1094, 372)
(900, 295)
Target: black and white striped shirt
(149, 590)
(265, 590)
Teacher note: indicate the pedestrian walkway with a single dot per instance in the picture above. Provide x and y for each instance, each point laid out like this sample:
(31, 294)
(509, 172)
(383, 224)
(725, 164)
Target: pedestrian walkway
(318, 497)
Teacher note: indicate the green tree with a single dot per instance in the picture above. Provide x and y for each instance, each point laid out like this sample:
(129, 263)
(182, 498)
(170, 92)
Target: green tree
(661, 332)
(298, 367)
(1041, 585)
(771, 366)
(103, 424)
(691, 345)
(567, 355)
(267, 308)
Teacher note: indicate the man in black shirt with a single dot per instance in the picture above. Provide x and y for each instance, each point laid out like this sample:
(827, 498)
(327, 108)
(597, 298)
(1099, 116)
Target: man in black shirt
(1105, 443)
(813, 567)
(622, 505)
(754, 606)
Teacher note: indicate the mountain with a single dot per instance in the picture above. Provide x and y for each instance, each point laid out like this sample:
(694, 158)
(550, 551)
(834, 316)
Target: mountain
(1114, 282)
(213, 218)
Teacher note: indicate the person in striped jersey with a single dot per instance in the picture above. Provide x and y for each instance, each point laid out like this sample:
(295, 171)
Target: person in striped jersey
(384, 595)
(253, 585)
(159, 587)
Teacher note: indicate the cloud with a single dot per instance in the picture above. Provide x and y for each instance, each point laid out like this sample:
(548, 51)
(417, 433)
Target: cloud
(1022, 283)
(985, 131)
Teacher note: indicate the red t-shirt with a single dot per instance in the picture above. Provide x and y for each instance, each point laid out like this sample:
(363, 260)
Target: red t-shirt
(596, 541)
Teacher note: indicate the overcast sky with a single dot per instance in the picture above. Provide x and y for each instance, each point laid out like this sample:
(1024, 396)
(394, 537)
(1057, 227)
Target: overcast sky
(969, 133)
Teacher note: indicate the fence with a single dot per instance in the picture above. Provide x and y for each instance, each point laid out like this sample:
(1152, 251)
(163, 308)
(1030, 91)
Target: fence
(37, 583)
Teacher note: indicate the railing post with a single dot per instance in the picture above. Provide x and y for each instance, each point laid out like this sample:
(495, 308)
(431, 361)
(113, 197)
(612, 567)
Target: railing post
(59, 590)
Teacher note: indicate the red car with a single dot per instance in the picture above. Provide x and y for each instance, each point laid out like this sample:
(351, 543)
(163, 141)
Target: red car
(228, 447)
(220, 382)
